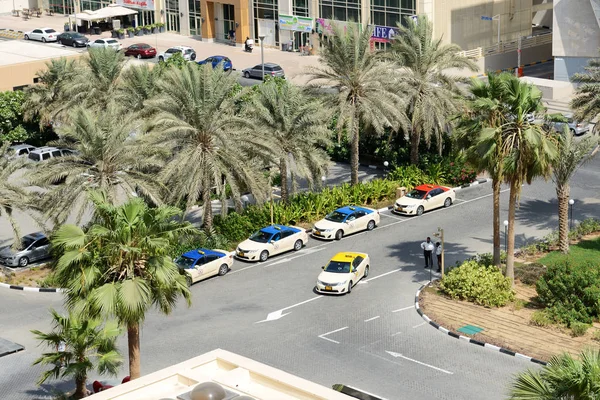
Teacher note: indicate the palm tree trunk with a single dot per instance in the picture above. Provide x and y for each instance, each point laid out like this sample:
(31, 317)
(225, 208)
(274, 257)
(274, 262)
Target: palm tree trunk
(80, 388)
(284, 179)
(496, 196)
(133, 340)
(354, 152)
(512, 206)
(415, 138)
(562, 192)
(208, 216)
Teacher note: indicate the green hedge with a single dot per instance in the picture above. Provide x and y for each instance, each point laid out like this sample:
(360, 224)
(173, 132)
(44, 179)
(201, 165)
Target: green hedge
(484, 285)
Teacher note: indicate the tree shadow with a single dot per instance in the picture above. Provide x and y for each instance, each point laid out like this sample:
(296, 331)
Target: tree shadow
(544, 214)
(56, 390)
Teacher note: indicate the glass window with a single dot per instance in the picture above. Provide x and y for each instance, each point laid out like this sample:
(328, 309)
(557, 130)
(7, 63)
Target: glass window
(45, 156)
(300, 8)
(56, 153)
(340, 10)
(34, 157)
(391, 12)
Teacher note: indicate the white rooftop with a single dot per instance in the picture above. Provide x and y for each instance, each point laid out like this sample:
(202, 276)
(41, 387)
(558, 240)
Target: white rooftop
(21, 51)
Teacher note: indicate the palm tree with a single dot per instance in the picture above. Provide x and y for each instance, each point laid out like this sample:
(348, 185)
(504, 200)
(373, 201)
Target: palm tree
(120, 266)
(137, 84)
(526, 150)
(47, 99)
(12, 195)
(207, 143)
(564, 377)
(298, 126)
(486, 108)
(586, 102)
(571, 155)
(430, 91)
(365, 86)
(88, 346)
(106, 157)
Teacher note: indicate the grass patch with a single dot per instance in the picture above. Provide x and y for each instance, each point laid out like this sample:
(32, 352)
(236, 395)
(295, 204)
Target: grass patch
(583, 253)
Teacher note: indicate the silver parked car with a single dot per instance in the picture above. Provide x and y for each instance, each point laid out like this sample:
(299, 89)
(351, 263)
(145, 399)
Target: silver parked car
(271, 69)
(35, 246)
(575, 127)
(20, 150)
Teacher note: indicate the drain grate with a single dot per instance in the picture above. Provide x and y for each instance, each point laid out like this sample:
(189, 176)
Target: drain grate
(470, 329)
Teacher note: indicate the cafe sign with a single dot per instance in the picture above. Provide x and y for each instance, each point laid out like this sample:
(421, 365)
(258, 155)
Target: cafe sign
(139, 4)
(294, 23)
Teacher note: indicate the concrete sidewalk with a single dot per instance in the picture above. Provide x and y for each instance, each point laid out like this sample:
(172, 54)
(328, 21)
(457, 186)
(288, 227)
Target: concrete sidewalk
(293, 63)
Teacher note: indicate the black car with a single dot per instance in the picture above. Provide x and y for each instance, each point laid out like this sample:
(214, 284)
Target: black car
(72, 39)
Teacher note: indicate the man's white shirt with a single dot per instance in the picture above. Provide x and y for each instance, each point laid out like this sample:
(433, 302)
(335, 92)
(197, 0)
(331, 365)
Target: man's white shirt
(427, 246)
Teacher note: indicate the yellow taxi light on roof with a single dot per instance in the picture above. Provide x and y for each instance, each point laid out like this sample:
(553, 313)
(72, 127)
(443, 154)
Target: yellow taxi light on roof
(200, 251)
(276, 227)
(352, 208)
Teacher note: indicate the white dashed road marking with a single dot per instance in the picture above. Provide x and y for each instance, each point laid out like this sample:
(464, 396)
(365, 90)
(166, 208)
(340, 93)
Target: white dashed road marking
(421, 324)
(404, 309)
(371, 319)
(329, 333)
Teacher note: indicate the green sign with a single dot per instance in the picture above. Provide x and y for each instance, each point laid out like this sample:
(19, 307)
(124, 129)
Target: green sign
(293, 23)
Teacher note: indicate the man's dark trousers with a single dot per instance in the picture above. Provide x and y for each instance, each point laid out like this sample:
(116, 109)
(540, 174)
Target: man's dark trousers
(428, 258)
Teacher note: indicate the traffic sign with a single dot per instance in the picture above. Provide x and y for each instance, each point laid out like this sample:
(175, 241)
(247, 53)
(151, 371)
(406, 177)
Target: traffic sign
(483, 17)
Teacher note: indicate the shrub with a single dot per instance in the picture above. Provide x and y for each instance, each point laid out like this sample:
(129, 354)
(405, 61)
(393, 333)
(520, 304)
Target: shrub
(570, 292)
(579, 328)
(484, 285)
(540, 318)
(587, 226)
(459, 173)
(49, 281)
(529, 274)
(408, 177)
(596, 335)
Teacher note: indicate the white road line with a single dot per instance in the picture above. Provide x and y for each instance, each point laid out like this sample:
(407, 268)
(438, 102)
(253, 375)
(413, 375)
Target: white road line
(403, 309)
(421, 324)
(371, 319)
(393, 216)
(418, 362)
(379, 276)
(329, 333)
(275, 315)
(397, 333)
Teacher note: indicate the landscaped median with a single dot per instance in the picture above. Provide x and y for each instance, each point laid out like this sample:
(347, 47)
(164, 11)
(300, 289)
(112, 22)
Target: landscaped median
(553, 308)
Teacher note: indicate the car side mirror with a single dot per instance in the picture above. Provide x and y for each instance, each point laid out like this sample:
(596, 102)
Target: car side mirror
(428, 197)
(271, 241)
(323, 267)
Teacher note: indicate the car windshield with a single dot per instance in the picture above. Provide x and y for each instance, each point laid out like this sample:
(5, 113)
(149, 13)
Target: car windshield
(416, 194)
(336, 216)
(111, 41)
(184, 262)
(340, 267)
(26, 242)
(261, 237)
(50, 31)
(77, 36)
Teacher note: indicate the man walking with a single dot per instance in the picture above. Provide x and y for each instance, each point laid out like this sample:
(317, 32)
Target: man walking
(428, 248)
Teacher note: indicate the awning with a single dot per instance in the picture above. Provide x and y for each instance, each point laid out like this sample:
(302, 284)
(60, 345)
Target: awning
(111, 11)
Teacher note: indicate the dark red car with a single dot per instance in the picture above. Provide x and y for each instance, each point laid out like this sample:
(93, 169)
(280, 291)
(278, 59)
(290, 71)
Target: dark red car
(141, 50)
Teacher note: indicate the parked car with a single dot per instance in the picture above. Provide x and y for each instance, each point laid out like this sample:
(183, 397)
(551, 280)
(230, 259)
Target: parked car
(19, 150)
(216, 60)
(46, 153)
(575, 127)
(271, 240)
(345, 221)
(202, 263)
(42, 34)
(271, 69)
(141, 50)
(424, 198)
(188, 53)
(35, 246)
(105, 43)
(72, 39)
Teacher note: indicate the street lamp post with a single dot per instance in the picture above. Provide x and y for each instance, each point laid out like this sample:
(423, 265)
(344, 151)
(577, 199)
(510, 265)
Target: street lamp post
(506, 236)
(262, 55)
(323, 179)
(571, 202)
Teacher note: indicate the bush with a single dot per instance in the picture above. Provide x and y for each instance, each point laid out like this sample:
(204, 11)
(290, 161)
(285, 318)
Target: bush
(596, 335)
(579, 328)
(587, 226)
(484, 285)
(458, 173)
(408, 177)
(529, 274)
(571, 292)
(49, 281)
(540, 318)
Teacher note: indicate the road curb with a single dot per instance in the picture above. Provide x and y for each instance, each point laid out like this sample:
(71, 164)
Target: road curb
(468, 339)
(31, 289)
(479, 181)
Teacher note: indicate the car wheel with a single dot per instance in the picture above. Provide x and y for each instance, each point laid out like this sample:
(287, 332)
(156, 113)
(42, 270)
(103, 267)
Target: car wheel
(188, 280)
(371, 225)
(139, 56)
(247, 75)
(573, 132)
(448, 202)
(43, 40)
(23, 262)
(298, 245)
(161, 59)
(193, 56)
(339, 235)
(223, 269)
(349, 287)
(366, 272)
(74, 44)
(26, 37)
(264, 256)
(420, 210)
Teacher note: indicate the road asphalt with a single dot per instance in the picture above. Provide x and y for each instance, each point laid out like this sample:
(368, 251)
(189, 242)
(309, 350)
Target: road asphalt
(371, 339)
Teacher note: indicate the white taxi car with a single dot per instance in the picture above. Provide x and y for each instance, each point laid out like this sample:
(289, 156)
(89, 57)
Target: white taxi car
(346, 220)
(424, 198)
(271, 240)
(201, 263)
(342, 272)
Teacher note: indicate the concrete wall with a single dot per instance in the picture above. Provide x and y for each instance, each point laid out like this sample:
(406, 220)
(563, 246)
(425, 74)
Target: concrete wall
(22, 74)
(459, 21)
(6, 6)
(565, 67)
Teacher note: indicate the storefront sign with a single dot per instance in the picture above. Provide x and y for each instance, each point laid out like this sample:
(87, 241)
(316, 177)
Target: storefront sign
(326, 25)
(141, 4)
(383, 34)
(293, 23)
